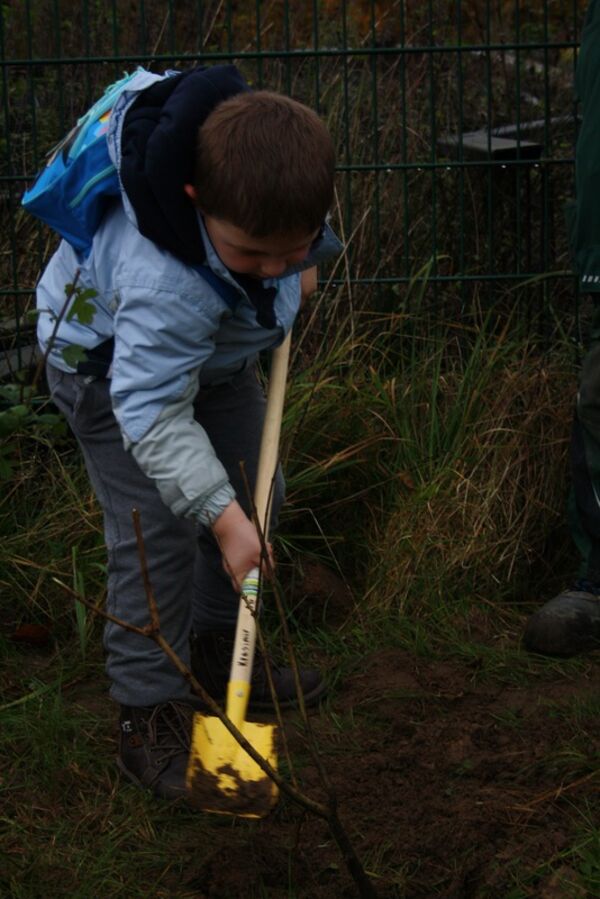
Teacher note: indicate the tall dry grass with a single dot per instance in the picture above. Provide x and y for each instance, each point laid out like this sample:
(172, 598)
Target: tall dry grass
(429, 461)
(488, 523)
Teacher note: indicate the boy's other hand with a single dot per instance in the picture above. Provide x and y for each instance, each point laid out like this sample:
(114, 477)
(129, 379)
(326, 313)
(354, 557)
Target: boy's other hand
(240, 544)
(308, 282)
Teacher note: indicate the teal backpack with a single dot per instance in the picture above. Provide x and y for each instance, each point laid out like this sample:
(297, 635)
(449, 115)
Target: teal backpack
(71, 191)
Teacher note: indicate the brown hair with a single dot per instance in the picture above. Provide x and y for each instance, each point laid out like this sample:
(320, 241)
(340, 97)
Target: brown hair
(265, 163)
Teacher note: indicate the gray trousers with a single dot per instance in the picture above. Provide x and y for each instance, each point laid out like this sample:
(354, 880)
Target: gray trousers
(184, 563)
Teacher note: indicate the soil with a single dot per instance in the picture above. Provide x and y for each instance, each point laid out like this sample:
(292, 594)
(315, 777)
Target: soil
(454, 779)
(448, 785)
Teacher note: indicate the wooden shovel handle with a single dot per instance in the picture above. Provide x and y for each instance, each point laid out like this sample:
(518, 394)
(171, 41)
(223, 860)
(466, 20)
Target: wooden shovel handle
(245, 634)
(269, 445)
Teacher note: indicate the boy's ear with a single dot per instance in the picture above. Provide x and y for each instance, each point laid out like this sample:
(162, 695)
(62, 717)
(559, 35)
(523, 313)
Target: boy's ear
(191, 192)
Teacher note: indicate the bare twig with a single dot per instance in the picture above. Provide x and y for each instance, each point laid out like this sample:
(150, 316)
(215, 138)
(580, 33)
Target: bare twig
(327, 812)
(556, 793)
(51, 340)
(290, 653)
(196, 686)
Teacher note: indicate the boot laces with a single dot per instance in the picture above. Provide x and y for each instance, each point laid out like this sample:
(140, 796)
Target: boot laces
(169, 730)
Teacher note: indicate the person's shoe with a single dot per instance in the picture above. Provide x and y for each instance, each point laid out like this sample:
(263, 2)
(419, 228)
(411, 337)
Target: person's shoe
(154, 745)
(567, 625)
(211, 663)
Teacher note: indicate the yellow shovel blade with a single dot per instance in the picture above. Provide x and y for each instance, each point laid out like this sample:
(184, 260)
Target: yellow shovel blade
(221, 776)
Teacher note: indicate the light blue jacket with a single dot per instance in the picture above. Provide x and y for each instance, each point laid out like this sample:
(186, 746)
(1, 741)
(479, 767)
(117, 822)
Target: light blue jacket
(172, 333)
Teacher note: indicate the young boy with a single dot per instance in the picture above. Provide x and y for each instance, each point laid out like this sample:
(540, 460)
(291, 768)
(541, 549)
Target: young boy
(197, 268)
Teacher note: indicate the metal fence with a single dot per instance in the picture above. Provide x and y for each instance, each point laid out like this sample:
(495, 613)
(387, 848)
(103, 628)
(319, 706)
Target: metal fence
(454, 121)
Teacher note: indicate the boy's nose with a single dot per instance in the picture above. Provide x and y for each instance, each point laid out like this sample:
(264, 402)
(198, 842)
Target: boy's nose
(272, 268)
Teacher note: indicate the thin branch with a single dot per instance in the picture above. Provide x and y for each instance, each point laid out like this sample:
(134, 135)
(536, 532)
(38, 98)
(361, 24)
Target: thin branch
(51, 340)
(266, 564)
(291, 656)
(327, 812)
(556, 792)
(148, 631)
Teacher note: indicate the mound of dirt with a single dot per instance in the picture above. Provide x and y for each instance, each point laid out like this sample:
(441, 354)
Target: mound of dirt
(444, 785)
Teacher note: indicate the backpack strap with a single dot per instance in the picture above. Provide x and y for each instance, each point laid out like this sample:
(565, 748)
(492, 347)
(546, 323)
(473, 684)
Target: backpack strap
(226, 291)
(99, 358)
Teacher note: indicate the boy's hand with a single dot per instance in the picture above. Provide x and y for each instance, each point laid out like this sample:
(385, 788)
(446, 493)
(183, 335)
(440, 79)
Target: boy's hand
(308, 282)
(239, 543)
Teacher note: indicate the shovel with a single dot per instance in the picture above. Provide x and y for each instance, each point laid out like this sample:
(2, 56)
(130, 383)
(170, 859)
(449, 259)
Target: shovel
(221, 776)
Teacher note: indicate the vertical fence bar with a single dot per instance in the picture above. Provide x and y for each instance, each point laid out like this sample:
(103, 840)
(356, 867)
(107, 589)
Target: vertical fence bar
(171, 23)
(489, 169)
(201, 40)
(375, 142)
(143, 34)
(348, 156)
(229, 25)
(32, 103)
(461, 169)
(433, 154)
(286, 41)
(85, 20)
(115, 35)
(259, 60)
(547, 229)
(8, 167)
(517, 178)
(317, 70)
(35, 148)
(575, 109)
(59, 74)
(404, 144)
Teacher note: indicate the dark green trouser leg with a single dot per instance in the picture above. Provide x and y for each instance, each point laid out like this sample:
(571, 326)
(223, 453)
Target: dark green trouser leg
(584, 503)
(569, 623)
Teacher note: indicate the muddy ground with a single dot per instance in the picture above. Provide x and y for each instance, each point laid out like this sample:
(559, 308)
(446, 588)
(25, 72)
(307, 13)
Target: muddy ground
(467, 774)
(440, 795)
(451, 783)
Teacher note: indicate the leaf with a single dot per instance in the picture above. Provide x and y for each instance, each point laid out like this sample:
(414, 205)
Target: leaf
(20, 410)
(31, 635)
(8, 424)
(6, 468)
(10, 392)
(73, 355)
(81, 308)
(48, 418)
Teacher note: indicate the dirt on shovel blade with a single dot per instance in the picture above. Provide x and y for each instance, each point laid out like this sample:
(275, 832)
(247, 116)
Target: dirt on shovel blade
(248, 797)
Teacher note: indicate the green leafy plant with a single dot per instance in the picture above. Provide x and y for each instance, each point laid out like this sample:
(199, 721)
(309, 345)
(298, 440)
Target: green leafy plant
(24, 410)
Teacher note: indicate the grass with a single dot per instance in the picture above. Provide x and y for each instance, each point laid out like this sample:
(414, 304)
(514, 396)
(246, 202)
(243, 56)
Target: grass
(414, 502)
(573, 872)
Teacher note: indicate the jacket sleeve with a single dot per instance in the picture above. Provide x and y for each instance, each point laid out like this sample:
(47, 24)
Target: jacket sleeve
(162, 339)
(177, 454)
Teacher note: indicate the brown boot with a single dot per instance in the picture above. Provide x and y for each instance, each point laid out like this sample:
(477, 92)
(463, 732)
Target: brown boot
(154, 746)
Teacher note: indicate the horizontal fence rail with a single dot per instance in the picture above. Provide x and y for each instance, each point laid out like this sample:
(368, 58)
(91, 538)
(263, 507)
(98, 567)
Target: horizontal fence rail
(455, 124)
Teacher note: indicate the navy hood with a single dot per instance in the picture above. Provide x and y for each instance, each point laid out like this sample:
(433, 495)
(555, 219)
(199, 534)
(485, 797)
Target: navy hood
(158, 149)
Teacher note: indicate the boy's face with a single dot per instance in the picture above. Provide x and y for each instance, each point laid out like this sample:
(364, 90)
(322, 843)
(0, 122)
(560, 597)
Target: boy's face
(259, 257)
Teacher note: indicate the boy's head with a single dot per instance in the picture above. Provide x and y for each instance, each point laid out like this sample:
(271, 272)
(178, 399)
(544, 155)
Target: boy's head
(264, 175)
